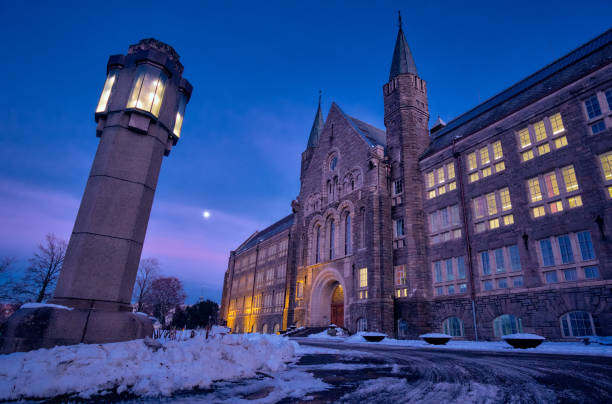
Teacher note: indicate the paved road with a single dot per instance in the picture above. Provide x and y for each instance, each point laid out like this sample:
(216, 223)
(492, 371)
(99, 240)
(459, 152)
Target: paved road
(401, 374)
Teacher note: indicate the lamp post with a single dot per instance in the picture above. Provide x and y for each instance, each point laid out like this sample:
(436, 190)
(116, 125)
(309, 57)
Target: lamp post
(139, 117)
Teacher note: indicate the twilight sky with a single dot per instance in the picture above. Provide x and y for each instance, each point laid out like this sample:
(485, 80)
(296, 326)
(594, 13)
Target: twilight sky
(256, 68)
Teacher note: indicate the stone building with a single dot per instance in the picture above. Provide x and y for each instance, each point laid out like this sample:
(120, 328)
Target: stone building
(498, 222)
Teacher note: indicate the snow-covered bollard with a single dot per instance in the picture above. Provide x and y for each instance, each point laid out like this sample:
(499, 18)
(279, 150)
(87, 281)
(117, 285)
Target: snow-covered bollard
(373, 336)
(436, 338)
(523, 341)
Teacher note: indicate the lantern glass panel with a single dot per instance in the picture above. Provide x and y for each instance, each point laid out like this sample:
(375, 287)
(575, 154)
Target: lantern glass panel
(148, 90)
(106, 91)
(180, 113)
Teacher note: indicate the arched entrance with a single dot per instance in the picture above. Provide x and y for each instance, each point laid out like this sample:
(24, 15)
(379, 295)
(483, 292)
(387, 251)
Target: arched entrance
(326, 305)
(337, 306)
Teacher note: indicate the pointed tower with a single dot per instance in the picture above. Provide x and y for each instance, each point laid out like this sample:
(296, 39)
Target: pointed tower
(313, 138)
(406, 119)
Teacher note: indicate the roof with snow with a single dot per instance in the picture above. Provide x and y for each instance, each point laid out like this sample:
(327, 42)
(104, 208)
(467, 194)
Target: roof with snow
(372, 135)
(560, 73)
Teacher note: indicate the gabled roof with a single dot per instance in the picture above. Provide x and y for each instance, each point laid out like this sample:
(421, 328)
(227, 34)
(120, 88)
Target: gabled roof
(266, 233)
(402, 61)
(372, 135)
(317, 127)
(562, 72)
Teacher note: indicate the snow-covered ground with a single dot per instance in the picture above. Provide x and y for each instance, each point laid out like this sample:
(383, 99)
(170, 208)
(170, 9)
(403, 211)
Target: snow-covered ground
(141, 367)
(564, 348)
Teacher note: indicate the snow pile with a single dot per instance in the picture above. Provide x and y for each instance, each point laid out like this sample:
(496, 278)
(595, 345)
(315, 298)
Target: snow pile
(435, 335)
(523, 336)
(339, 333)
(140, 367)
(358, 336)
(40, 305)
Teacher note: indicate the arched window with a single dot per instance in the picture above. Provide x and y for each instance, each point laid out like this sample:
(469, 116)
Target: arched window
(318, 245)
(507, 324)
(402, 328)
(577, 324)
(347, 234)
(254, 328)
(362, 324)
(276, 328)
(264, 329)
(453, 326)
(332, 231)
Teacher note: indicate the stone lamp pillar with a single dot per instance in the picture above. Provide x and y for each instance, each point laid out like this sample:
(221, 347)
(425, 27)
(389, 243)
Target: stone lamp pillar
(139, 117)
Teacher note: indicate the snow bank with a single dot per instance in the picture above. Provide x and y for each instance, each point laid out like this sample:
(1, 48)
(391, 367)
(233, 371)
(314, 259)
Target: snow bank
(523, 336)
(151, 369)
(39, 305)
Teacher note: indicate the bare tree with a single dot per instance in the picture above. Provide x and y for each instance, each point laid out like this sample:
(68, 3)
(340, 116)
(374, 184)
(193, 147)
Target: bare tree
(6, 286)
(166, 293)
(41, 275)
(148, 271)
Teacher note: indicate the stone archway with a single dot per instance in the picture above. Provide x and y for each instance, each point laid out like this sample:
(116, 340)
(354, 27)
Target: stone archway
(323, 307)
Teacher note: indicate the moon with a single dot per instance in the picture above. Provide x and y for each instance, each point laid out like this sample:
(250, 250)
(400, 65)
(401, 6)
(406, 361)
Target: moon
(206, 214)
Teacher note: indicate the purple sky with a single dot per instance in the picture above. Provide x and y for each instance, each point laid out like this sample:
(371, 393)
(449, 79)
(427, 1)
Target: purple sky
(256, 69)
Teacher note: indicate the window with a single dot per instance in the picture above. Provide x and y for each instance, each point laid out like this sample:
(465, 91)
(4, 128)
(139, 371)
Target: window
(276, 328)
(548, 259)
(318, 245)
(333, 163)
(507, 324)
(598, 127)
(451, 289)
(453, 326)
(577, 324)
(547, 188)
(460, 267)
(538, 139)
(300, 289)
(449, 270)
(606, 168)
(565, 248)
(591, 272)
(586, 245)
(106, 91)
(592, 107)
(517, 281)
(484, 261)
(515, 258)
(479, 162)
(556, 123)
(347, 234)
(148, 89)
(551, 277)
(462, 287)
(502, 283)
(400, 274)
(398, 187)
(439, 291)
(499, 260)
(535, 194)
(363, 278)
(362, 324)
(180, 113)
(488, 285)
(399, 227)
(488, 206)
(332, 231)
(609, 99)
(444, 224)
(402, 328)
(570, 274)
(438, 270)
(440, 180)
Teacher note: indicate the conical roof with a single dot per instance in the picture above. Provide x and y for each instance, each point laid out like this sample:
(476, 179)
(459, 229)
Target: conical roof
(317, 127)
(402, 61)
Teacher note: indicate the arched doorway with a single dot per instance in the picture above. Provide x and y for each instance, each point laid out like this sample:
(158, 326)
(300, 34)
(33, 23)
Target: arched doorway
(337, 306)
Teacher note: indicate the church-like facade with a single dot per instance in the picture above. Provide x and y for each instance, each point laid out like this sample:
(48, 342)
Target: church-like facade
(498, 222)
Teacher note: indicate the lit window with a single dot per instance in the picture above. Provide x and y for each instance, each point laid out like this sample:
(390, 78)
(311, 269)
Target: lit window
(551, 277)
(538, 211)
(440, 175)
(507, 324)
(450, 168)
(472, 161)
(363, 278)
(577, 324)
(552, 188)
(148, 89)
(535, 193)
(430, 179)
(540, 131)
(606, 165)
(300, 289)
(528, 155)
(569, 176)
(543, 149)
(575, 201)
(484, 156)
(508, 220)
(504, 195)
(400, 275)
(453, 326)
(591, 272)
(363, 294)
(556, 123)
(442, 190)
(592, 107)
(493, 224)
(556, 207)
(491, 204)
(598, 127)
(524, 137)
(452, 186)
(431, 194)
(180, 113)
(486, 172)
(474, 177)
(561, 142)
(501, 166)
(497, 150)
(106, 91)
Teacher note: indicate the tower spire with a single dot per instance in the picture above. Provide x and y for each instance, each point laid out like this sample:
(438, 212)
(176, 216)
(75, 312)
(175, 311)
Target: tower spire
(317, 127)
(402, 61)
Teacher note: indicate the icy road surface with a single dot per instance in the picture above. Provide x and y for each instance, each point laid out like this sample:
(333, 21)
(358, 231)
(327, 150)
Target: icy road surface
(339, 372)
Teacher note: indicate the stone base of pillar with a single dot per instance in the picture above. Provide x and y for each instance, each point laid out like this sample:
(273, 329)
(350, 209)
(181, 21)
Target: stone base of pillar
(46, 327)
